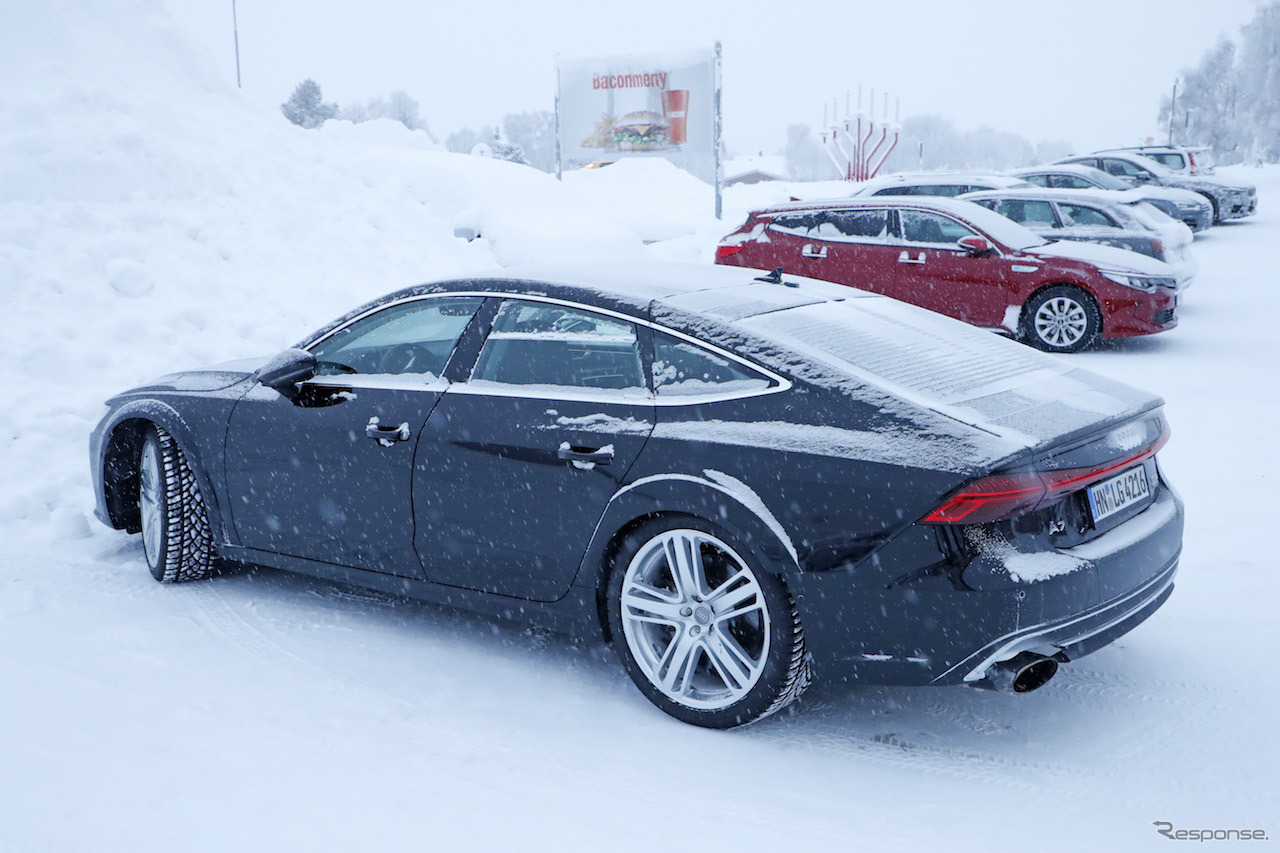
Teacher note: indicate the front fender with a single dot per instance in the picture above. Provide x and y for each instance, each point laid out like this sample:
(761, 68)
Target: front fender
(115, 448)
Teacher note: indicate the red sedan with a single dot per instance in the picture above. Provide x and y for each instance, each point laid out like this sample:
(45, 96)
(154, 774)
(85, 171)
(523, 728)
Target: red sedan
(967, 262)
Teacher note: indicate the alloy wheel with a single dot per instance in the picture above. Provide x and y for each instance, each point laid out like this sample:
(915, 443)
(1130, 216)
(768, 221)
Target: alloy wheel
(695, 619)
(1061, 321)
(149, 497)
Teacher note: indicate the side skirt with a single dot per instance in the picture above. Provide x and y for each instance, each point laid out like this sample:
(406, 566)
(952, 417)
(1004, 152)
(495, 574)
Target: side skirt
(574, 614)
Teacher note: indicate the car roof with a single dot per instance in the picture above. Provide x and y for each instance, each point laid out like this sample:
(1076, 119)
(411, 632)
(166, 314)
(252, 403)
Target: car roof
(933, 202)
(1136, 159)
(1057, 168)
(996, 226)
(1173, 148)
(935, 179)
(637, 288)
(1099, 197)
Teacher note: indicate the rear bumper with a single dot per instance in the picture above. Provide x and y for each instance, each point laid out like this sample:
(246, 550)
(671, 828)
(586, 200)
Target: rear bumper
(928, 627)
(1074, 636)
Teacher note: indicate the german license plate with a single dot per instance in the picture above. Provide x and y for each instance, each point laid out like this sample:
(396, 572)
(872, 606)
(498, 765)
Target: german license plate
(1121, 491)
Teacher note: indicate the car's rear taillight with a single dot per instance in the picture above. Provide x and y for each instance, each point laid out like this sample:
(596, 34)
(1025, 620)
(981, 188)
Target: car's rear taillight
(1003, 496)
(726, 251)
(1158, 245)
(1195, 167)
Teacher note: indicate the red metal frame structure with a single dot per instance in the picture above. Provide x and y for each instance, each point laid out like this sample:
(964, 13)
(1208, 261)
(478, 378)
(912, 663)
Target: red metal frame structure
(849, 144)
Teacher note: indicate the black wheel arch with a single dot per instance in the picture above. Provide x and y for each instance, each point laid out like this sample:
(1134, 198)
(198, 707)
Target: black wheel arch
(681, 495)
(118, 465)
(1213, 203)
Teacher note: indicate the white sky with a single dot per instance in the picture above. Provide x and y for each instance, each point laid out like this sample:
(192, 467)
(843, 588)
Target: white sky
(1091, 72)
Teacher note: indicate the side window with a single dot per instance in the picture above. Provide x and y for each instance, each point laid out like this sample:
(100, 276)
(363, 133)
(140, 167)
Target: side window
(858, 223)
(943, 190)
(1033, 213)
(682, 369)
(1123, 168)
(1087, 215)
(1038, 180)
(1070, 182)
(919, 226)
(801, 223)
(414, 337)
(539, 343)
(834, 224)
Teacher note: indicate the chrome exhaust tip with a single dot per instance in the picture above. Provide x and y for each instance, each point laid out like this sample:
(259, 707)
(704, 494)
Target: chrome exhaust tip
(1021, 674)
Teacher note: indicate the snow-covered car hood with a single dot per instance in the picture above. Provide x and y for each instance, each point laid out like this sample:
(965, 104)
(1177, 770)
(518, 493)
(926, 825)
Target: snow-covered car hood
(215, 377)
(1103, 257)
(1207, 182)
(1170, 194)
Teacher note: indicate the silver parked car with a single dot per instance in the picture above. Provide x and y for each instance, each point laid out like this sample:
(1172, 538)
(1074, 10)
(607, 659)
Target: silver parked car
(1097, 216)
(944, 184)
(1186, 160)
(1185, 206)
(1230, 201)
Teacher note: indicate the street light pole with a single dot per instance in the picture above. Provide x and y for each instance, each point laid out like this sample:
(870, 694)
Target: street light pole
(235, 30)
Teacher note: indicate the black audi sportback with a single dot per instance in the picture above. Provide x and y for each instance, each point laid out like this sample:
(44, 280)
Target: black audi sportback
(739, 479)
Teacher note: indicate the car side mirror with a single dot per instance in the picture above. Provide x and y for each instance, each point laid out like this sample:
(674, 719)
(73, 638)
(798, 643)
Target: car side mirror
(976, 246)
(287, 369)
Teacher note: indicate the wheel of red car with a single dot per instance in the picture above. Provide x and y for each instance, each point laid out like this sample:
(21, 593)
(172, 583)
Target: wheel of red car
(175, 524)
(707, 636)
(1062, 318)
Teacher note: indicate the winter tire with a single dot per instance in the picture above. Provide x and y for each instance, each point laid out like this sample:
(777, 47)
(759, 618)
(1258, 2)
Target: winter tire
(175, 523)
(1062, 318)
(704, 632)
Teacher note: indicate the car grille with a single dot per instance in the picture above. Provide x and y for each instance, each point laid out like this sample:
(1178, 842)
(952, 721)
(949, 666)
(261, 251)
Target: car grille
(1165, 317)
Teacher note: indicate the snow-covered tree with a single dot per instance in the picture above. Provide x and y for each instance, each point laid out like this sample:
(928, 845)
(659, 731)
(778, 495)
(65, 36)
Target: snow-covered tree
(1235, 94)
(465, 141)
(306, 106)
(534, 133)
(398, 107)
(462, 141)
(806, 161)
(1212, 91)
(1259, 68)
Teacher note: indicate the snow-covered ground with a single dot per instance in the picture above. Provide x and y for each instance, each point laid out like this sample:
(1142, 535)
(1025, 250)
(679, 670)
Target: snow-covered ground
(150, 220)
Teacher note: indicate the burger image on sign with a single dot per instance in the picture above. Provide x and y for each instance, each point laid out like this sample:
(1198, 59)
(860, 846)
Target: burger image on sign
(643, 130)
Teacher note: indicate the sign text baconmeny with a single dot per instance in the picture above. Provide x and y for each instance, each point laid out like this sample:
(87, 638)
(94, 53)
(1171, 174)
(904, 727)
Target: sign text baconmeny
(655, 80)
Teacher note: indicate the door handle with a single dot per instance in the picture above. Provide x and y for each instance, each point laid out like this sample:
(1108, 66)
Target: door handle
(808, 251)
(584, 459)
(386, 435)
(905, 258)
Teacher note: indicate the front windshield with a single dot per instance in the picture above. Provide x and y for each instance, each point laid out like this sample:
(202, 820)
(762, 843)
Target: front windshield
(1106, 181)
(1000, 228)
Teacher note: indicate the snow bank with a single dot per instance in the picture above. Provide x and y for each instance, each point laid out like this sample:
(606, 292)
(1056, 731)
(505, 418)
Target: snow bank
(153, 220)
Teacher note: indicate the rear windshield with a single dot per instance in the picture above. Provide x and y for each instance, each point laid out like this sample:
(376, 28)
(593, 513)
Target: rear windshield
(920, 355)
(1172, 159)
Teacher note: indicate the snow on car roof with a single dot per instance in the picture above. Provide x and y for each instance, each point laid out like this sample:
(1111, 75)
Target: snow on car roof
(932, 178)
(1003, 230)
(1153, 166)
(1100, 197)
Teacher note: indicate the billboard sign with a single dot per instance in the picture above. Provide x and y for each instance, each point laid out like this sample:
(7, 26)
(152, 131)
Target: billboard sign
(648, 105)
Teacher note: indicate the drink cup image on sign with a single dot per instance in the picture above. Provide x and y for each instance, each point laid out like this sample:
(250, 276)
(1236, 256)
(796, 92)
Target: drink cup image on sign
(675, 107)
